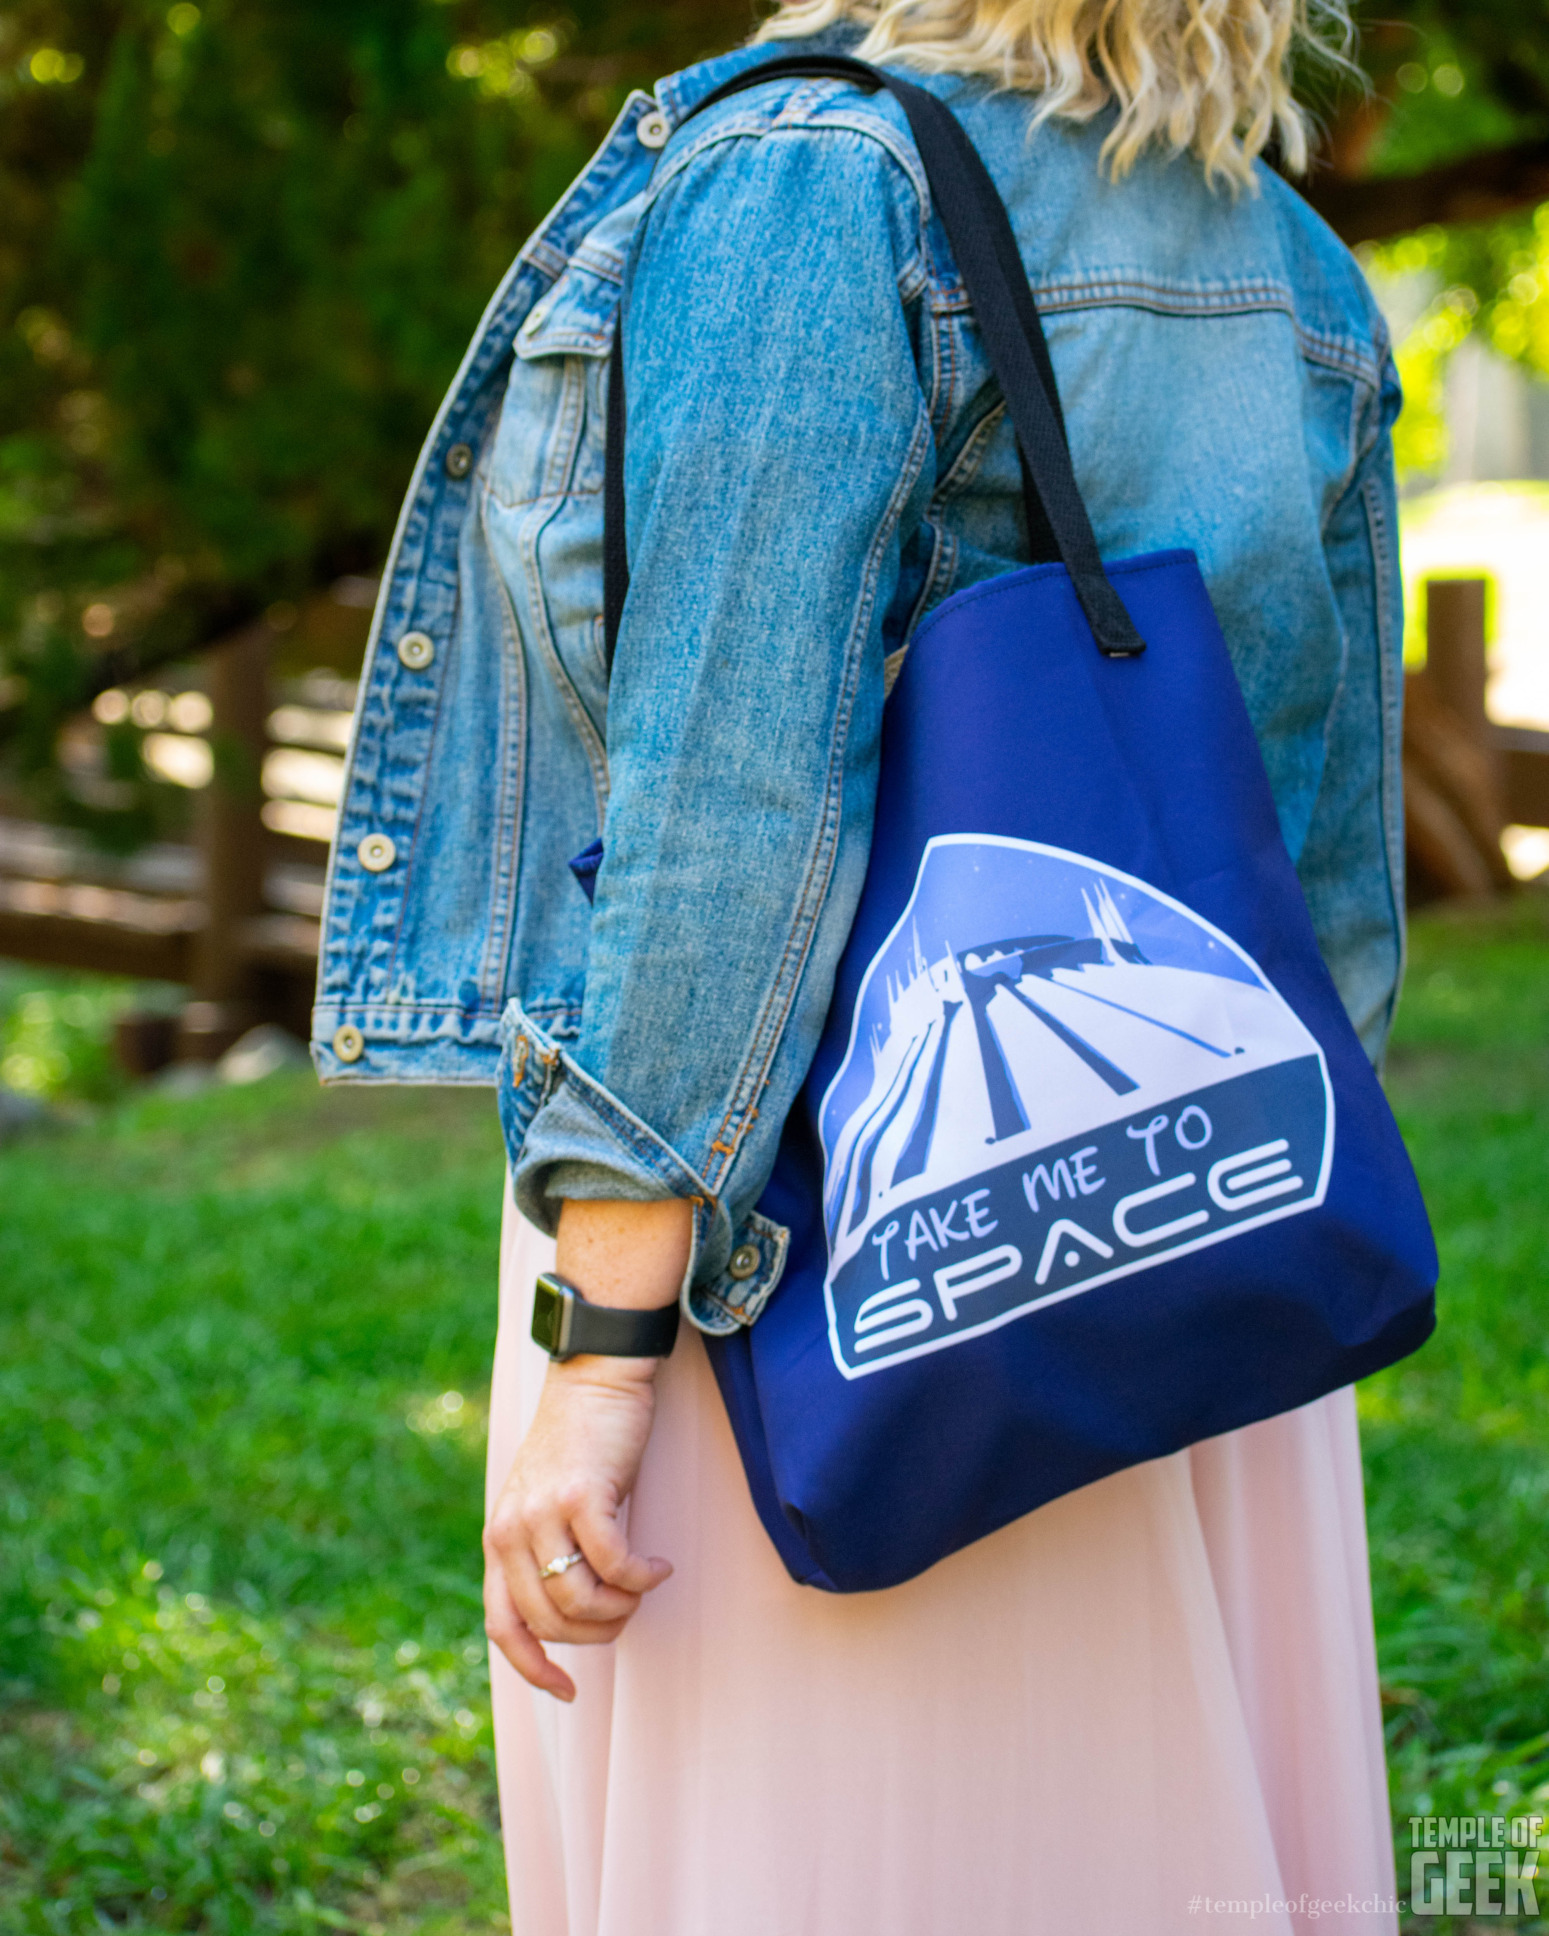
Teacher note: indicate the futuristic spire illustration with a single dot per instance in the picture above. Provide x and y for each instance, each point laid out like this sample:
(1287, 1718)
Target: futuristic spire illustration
(1050, 1015)
(1108, 924)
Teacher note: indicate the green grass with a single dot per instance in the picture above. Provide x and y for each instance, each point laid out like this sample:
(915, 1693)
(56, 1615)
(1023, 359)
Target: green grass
(1457, 1438)
(244, 1347)
(244, 1342)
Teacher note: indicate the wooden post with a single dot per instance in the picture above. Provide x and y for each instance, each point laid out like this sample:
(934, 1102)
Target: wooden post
(1455, 650)
(1454, 806)
(231, 839)
(1455, 657)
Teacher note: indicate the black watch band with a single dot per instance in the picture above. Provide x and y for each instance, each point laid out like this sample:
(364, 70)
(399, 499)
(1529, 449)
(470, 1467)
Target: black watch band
(566, 1325)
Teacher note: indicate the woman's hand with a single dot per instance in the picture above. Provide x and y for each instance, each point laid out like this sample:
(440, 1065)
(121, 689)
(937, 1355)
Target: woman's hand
(579, 1460)
(565, 1494)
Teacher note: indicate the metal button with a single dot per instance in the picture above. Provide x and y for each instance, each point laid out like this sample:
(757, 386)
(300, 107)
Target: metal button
(416, 650)
(459, 460)
(349, 1045)
(745, 1260)
(653, 130)
(535, 319)
(376, 853)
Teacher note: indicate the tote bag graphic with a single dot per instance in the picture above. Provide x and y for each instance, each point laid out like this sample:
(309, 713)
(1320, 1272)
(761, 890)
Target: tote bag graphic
(1026, 1115)
(1089, 1164)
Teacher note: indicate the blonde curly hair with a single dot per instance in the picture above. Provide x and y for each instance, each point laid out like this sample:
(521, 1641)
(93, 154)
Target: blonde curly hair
(1209, 76)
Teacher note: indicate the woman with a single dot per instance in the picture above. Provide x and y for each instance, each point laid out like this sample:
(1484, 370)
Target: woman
(1154, 1700)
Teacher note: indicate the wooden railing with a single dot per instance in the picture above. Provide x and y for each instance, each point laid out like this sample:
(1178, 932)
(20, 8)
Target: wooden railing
(1465, 779)
(233, 916)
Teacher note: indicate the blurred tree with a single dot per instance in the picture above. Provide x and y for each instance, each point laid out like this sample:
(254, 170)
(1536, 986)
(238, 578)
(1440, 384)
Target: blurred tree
(1455, 127)
(1444, 166)
(242, 247)
(244, 242)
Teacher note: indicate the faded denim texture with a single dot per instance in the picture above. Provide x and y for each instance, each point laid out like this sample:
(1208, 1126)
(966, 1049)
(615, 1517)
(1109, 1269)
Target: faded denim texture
(817, 456)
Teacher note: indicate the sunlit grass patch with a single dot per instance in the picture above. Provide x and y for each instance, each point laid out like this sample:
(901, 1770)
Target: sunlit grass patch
(244, 1349)
(210, 1752)
(1457, 1438)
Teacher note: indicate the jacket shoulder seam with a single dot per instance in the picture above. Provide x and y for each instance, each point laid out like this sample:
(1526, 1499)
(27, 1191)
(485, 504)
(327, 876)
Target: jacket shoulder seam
(913, 274)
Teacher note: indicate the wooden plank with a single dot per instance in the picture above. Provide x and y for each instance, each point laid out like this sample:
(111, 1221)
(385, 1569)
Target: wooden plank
(287, 941)
(55, 933)
(306, 853)
(37, 851)
(93, 948)
(65, 904)
(112, 907)
(294, 876)
(107, 930)
(1525, 767)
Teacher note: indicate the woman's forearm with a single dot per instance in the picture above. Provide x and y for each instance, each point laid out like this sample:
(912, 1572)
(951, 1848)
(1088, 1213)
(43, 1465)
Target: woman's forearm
(630, 1255)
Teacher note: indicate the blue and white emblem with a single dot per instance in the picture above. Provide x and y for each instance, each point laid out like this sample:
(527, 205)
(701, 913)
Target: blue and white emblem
(1056, 1076)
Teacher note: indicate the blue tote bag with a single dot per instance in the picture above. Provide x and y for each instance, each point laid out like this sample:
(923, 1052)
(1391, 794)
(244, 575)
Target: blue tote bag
(1090, 1164)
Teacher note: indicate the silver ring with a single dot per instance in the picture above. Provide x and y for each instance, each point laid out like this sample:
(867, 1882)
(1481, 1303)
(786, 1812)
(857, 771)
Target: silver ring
(555, 1567)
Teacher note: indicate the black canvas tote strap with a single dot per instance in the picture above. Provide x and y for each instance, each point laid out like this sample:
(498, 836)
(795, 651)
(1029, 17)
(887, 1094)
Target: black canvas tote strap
(615, 551)
(982, 241)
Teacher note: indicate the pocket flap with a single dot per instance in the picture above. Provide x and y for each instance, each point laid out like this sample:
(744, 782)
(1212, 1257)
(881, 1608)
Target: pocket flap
(575, 317)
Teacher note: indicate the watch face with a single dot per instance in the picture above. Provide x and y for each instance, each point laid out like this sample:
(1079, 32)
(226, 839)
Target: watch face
(548, 1310)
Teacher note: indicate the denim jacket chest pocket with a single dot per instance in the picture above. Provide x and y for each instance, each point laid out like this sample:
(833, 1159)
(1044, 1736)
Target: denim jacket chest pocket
(542, 495)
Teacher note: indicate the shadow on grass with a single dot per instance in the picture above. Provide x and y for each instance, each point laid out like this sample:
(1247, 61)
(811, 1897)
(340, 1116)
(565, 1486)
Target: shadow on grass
(244, 1348)
(1457, 1438)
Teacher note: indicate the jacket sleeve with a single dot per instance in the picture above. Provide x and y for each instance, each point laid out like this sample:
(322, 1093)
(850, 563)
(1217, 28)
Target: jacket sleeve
(779, 449)
(1352, 862)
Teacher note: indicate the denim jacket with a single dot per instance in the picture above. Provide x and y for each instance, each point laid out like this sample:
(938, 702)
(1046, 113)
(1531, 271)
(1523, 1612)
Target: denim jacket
(817, 455)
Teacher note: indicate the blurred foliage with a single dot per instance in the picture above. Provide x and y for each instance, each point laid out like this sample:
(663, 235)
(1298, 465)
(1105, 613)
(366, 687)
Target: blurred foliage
(1423, 352)
(243, 244)
(242, 247)
(1489, 280)
(1452, 79)
(56, 1034)
(1442, 89)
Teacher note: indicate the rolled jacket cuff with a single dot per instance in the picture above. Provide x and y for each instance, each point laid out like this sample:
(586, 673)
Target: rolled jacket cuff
(568, 1136)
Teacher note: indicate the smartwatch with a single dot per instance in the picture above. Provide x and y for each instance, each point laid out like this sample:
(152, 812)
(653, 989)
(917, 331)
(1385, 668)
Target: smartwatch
(566, 1325)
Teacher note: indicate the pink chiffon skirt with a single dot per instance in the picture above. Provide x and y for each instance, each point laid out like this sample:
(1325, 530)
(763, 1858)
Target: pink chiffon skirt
(1151, 1706)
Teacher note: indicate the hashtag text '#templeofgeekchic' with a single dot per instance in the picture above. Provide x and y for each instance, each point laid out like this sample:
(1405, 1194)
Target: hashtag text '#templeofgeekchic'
(1309, 1907)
